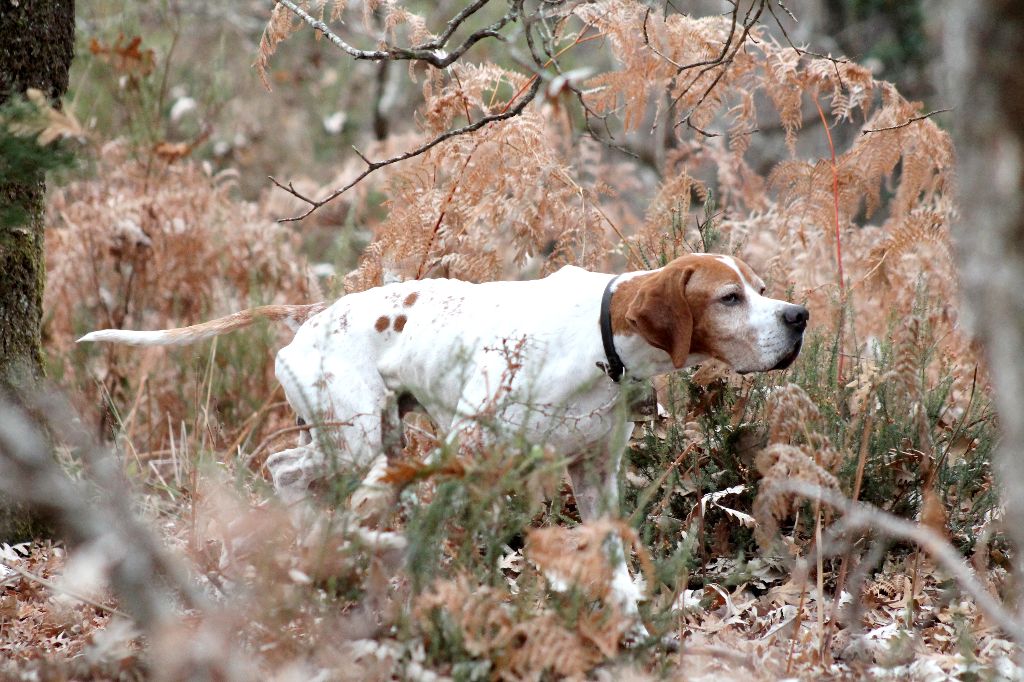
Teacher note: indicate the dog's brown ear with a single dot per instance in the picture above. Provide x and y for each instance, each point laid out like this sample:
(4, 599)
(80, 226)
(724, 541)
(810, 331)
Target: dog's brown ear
(659, 312)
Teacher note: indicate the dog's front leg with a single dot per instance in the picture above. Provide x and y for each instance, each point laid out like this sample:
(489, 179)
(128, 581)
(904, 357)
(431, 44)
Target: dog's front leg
(595, 484)
(596, 489)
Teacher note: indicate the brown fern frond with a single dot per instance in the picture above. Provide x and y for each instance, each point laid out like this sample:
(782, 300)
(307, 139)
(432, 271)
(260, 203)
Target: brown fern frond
(396, 16)
(156, 247)
(778, 464)
(479, 612)
(790, 413)
(370, 7)
(922, 226)
(905, 374)
(542, 647)
(528, 648)
(574, 556)
(281, 25)
(784, 87)
(797, 450)
(338, 9)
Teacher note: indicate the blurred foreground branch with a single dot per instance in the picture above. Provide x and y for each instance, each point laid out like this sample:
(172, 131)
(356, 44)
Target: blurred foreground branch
(858, 516)
(96, 513)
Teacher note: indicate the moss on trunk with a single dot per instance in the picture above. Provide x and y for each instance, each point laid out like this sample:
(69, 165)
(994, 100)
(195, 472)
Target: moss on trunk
(36, 47)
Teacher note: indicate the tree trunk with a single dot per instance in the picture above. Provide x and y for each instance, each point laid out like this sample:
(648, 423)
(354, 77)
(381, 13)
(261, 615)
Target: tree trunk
(983, 41)
(36, 47)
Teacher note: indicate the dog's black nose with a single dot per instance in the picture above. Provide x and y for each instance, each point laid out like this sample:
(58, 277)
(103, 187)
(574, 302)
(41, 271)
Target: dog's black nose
(795, 316)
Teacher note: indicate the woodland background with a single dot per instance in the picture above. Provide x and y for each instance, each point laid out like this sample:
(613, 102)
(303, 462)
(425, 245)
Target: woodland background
(840, 519)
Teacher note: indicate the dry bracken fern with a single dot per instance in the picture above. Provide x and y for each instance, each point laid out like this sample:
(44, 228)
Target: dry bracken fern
(795, 451)
(281, 25)
(520, 649)
(150, 248)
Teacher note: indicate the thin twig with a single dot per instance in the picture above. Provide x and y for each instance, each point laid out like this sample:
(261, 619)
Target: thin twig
(799, 615)
(453, 25)
(647, 42)
(786, 10)
(515, 106)
(285, 431)
(725, 48)
(29, 472)
(801, 51)
(724, 60)
(315, 204)
(907, 122)
(820, 569)
(848, 553)
(63, 590)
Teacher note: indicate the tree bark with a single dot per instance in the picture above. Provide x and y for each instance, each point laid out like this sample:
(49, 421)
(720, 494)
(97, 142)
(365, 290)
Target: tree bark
(983, 41)
(36, 47)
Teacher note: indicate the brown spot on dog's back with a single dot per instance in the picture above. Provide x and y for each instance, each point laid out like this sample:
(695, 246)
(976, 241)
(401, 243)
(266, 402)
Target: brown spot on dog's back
(410, 299)
(382, 323)
(400, 322)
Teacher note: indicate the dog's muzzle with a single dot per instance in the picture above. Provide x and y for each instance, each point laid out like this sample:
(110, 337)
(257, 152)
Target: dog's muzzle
(794, 318)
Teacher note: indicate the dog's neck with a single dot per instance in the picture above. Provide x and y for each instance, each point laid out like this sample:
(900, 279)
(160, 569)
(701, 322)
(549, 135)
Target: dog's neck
(643, 361)
(640, 359)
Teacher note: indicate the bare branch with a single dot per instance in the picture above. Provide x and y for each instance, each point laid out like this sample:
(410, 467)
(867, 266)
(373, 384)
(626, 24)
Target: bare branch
(291, 187)
(689, 123)
(429, 53)
(647, 42)
(453, 25)
(786, 10)
(362, 156)
(373, 166)
(725, 48)
(907, 122)
(151, 586)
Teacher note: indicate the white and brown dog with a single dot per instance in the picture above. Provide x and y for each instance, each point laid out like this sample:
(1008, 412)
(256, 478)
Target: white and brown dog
(545, 359)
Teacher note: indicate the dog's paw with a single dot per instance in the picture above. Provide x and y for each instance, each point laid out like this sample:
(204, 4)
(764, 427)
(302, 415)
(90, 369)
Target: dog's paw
(635, 635)
(293, 470)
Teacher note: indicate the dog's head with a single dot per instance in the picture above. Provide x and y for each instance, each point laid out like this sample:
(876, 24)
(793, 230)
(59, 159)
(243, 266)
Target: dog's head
(711, 305)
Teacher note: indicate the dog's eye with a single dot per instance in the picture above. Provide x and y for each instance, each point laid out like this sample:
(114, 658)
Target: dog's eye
(731, 299)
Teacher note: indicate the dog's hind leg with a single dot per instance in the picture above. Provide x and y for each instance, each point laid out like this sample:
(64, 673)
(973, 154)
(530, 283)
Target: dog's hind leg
(348, 410)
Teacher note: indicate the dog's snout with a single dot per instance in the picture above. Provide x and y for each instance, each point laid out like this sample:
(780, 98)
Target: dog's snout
(795, 316)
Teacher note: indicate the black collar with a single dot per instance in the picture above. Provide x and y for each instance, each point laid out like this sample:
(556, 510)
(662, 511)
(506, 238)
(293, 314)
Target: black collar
(614, 368)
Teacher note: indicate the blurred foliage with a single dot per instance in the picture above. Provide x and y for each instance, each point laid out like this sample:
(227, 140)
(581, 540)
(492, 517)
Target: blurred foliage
(22, 157)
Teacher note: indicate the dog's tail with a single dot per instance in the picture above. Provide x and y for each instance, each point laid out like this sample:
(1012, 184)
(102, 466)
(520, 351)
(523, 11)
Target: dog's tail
(293, 314)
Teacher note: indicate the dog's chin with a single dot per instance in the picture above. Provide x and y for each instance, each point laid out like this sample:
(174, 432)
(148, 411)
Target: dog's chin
(788, 359)
(783, 363)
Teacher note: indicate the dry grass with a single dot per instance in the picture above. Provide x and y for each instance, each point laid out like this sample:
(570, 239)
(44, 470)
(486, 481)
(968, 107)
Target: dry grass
(151, 245)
